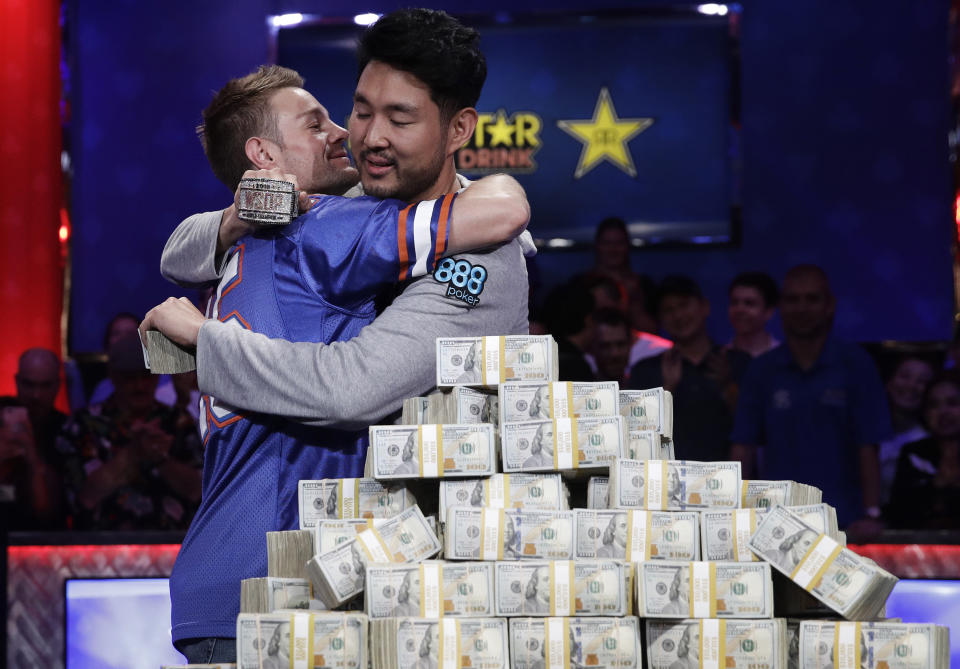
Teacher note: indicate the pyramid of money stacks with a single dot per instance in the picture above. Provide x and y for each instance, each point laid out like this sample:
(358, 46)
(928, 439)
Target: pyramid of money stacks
(463, 547)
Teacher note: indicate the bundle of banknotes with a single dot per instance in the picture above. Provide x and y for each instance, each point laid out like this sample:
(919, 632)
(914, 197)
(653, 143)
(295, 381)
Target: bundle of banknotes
(598, 492)
(563, 588)
(430, 589)
(267, 594)
(852, 585)
(458, 404)
(636, 534)
(331, 532)
(525, 401)
(562, 443)
(350, 498)
(318, 640)
(490, 361)
(575, 643)
(700, 589)
(648, 410)
(432, 450)
(873, 645)
(338, 575)
(507, 534)
(725, 533)
(713, 642)
(506, 491)
(447, 643)
(764, 494)
(674, 485)
(288, 552)
(648, 445)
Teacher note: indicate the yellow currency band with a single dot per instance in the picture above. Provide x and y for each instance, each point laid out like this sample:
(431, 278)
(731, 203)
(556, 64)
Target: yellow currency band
(846, 645)
(743, 497)
(439, 429)
(823, 567)
(301, 656)
(443, 629)
(564, 625)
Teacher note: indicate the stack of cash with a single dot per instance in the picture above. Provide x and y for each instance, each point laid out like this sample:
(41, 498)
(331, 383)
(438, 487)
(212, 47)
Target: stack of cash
(504, 491)
(265, 595)
(717, 643)
(704, 590)
(524, 401)
(414, 411)
(323, 639)
(507, 534)
(573, 643)
(873, 645)
(648, 410)
(561, 443)
(648, 445)
(674, 485)
(563, 588)
(463, 405)
(764, 494)
(489, 361)
(636, 535)
(447, 643)
(350, 498)
(330, 533)
(338, 575)
(853, 586)
(598, 492)
(288, 552)
(430, 589)
(725, 533)
(432, 450)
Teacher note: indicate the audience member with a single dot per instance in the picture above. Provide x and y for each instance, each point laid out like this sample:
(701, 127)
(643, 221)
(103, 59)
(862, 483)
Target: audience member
(38, 383)
(611, 345)
(24, 472)
(906, 384)
(133, 463)
(568, 317)
(815, 406)
(612, 260)
(926, 489)
(701, 375)
(753, 301)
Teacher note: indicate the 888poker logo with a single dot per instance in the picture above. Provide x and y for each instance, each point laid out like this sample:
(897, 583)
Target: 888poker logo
(464, 280)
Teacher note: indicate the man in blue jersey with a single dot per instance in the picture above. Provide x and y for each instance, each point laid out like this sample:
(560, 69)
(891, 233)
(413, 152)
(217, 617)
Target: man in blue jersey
(407, 133)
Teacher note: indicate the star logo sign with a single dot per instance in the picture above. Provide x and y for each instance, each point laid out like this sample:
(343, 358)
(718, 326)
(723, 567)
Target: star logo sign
(605, 137)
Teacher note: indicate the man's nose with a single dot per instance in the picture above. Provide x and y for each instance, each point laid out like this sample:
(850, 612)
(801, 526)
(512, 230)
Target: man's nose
(376, 135)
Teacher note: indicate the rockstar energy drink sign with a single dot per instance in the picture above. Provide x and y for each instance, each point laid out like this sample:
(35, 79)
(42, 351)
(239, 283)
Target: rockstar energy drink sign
(502, 143)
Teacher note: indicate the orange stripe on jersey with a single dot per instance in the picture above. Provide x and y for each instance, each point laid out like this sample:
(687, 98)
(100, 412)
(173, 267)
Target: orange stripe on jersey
(402, 242)
(442, 227)
(239, 277)
(213, 419)
(239, 318)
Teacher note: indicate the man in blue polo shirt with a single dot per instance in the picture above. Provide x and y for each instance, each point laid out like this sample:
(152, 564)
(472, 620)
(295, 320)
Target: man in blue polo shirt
(814, 409)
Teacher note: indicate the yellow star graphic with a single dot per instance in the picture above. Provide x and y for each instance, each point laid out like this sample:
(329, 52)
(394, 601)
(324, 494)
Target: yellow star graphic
(605, 137)
(501, 132)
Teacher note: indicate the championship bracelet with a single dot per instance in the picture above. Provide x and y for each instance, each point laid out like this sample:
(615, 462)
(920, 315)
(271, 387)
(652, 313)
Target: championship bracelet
(267, 201)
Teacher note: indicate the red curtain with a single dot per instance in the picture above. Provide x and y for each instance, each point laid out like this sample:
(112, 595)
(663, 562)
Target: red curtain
(31, 188)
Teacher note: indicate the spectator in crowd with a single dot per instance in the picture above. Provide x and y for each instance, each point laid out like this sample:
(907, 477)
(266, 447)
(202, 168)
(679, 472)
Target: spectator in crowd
(906, 384)
(611, 345)
(612, 260)
(38, 383)
(926, 489)
(568, 317)
(132, 462)
(25, 474)
(816, 406)
(702, 376)
(753, 301)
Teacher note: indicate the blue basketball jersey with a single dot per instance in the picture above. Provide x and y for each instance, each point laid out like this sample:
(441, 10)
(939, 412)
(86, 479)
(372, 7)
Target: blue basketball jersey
(314, 280)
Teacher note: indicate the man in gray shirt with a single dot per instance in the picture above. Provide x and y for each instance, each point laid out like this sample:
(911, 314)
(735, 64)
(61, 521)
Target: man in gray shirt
(404, 146)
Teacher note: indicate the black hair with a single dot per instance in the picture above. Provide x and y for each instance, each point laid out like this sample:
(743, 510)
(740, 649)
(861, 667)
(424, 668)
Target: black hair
(435, 48)
(566, 308)
(677, 285)
(612, 223)
(611, 318)
(762, 283)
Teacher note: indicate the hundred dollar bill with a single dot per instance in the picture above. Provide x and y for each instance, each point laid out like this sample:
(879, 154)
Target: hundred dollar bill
(563, 587)
(350, 498)
(704, 590)
(764, 494)
(575, 643)
(635, 535)
(414, 411)
(561, 443)
(330, 533)
(853, 586)
(674, 485)
(648, 410)
(462, 405)
(716, 643)
(725, 533)
(338, 575)
(523, 400)
(267, 594)
(334, 640)
(489, 361)
(447, 643)
(648, 445)
(431, 589)
(504, 491)
(598, 492)
(432, 450)
(507, 534)
(873, 645)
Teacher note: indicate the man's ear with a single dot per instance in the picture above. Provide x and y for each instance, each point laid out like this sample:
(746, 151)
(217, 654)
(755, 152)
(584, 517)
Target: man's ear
(461, 129)
(261, 152)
